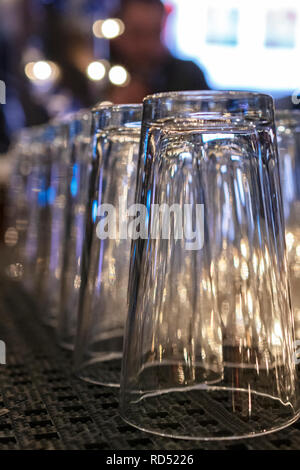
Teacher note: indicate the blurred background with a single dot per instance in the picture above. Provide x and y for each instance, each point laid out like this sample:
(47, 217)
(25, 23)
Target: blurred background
(57, 56)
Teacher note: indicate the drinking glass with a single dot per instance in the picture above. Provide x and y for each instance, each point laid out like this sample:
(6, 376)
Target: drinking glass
(106, 249)
(51, 230)
(37, 167)
(288, 137)
(77, 202)
(16, 209)
(209, 340)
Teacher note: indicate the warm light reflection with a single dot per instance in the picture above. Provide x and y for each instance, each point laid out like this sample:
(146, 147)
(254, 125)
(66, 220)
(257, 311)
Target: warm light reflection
(15, 271)
(277, 335)
(77, 282)
(244, 249)
(244, 271)
(289, 238)
(11, 236)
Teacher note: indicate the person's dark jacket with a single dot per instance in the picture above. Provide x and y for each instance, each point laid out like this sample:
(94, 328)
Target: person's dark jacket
(4, 140)
(178, 75)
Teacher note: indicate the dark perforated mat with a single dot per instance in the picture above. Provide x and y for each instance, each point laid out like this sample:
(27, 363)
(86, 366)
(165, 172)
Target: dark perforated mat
(42, 406)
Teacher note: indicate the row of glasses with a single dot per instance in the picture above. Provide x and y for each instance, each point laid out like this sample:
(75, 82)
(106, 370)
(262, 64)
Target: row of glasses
(172, 213)
(213, 323)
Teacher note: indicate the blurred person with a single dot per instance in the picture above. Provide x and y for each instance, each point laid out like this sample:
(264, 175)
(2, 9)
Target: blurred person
(140, 49)
(72, 50)
(21, 108)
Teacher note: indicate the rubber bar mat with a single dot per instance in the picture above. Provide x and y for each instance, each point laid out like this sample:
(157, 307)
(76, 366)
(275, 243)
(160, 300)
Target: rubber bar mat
(43, 406)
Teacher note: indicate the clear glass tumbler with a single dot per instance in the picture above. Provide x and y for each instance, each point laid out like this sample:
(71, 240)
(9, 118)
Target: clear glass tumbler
(51, 232)
(106, 248)
(17, 209)
(209, 344)
(288, 137)
(76, 213)
(37, 191)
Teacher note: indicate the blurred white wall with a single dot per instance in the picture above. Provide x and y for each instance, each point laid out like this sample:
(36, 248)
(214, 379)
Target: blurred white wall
(240, 44)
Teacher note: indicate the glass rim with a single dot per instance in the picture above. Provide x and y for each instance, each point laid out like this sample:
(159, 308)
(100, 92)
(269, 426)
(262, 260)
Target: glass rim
(117, 107)
(205, 95)
(117, 116)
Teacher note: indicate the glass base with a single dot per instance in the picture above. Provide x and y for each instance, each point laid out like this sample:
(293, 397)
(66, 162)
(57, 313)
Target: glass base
(101, 365)
(209, 415)
(64, 338)
(105, 370)
(182, 402)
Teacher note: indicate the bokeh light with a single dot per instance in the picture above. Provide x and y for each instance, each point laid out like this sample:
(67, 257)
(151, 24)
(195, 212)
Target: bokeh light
(108, 29)
(41, 70)
(118, 75)
(96, 71)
